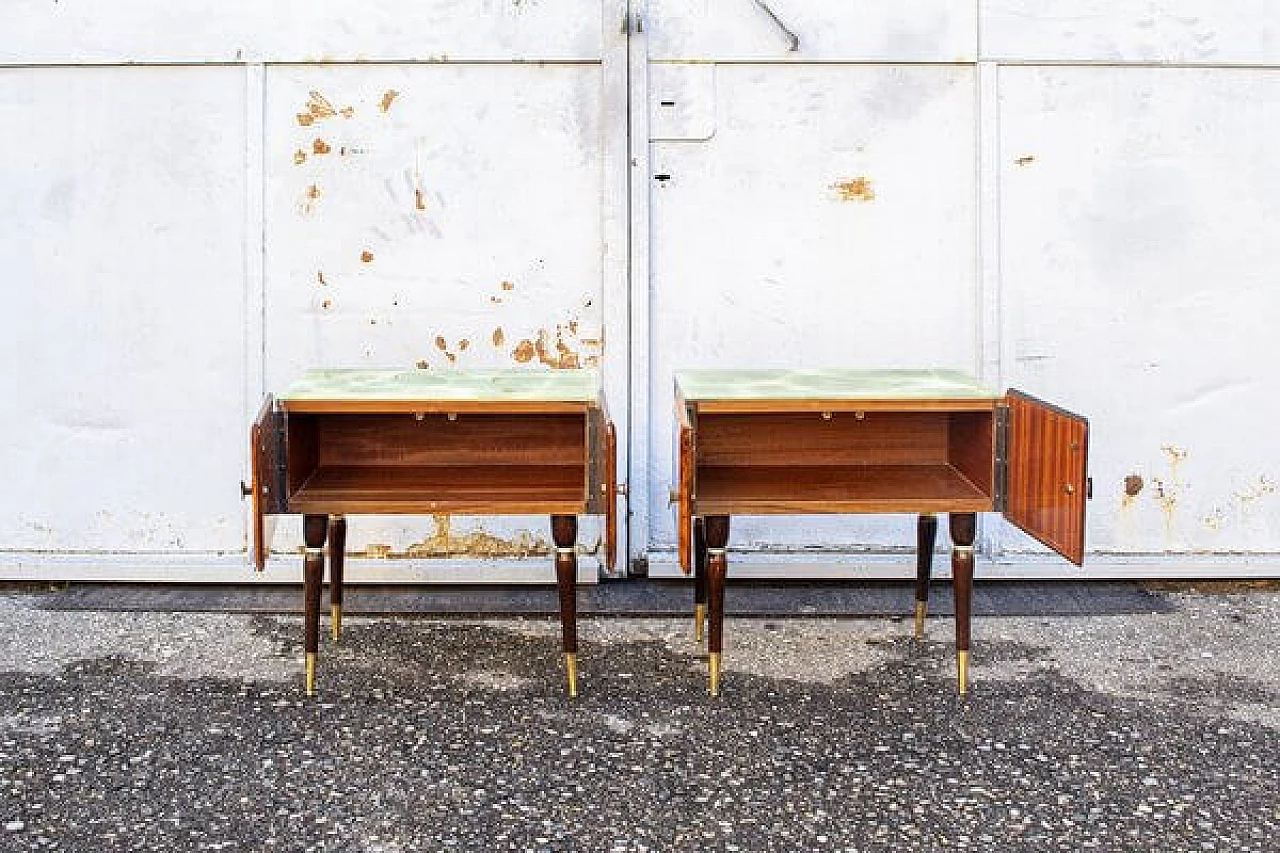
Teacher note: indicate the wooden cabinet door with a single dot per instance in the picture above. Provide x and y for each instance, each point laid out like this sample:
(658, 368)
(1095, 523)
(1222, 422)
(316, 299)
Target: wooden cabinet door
(266, 450)
(1047, 458)
(686, 461)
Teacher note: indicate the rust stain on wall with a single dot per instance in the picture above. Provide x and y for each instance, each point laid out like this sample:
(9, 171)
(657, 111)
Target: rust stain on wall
(463, 344)
(320, 147)
(423, 364)
(419, 200)
(299, 157)
(506, 285)
(855, 189)
(366, 256)
(498, 337)
(441, 343)
(1132, 485)
(320, 278)
(387, 97)
(348, 112)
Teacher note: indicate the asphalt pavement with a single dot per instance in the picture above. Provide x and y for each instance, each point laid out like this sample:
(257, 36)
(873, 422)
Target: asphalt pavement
(189, 731)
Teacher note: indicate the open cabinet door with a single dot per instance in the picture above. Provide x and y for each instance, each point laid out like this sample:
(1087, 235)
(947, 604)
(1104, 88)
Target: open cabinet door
(1047, 457)
(685, 462)
(267, 487)
(611, 496)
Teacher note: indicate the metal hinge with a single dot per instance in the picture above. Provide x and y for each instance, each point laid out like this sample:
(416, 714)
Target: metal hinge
(282, 465)
(1002, 459)
(626, 23)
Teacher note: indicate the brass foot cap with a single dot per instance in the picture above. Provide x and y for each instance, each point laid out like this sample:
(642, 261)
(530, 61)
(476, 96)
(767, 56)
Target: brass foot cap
(335, 612)
(713, 673)
(962, 671)
(571, 673)
(311, 673)
(920, 611)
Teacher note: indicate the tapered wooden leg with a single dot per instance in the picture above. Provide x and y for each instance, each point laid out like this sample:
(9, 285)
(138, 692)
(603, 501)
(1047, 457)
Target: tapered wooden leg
(699, 580)
(337, 546)
(963, 529)
(716, 529)
(926, 535)
(564, 531)
(314, 528)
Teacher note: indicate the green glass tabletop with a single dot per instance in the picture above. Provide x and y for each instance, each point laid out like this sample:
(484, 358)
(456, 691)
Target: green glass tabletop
(696, 385)
(460, 385)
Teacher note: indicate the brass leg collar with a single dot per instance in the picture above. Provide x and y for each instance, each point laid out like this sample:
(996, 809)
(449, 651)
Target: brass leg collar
(571, 673)
(699, 621)
(713, 672)
(921, 607)
(335, 611)
(962, 671)
(311, 673)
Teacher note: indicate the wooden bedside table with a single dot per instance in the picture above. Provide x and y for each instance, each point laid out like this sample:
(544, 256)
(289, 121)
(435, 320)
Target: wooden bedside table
(410, 442)
(781, 442)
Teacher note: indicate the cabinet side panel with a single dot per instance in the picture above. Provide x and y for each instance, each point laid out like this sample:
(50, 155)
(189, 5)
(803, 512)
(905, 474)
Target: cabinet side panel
(971, 447)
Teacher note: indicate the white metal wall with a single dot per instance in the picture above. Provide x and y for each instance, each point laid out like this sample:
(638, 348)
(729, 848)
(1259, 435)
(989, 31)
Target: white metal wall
(203, 199)
(1076, 197)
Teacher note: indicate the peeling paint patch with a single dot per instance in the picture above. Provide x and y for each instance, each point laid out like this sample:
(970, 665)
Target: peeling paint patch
(478, 543)
(348, 112)
(463, 344)
(562, 357)
(310, 197)
(423, 364)
(506, 285)
(387, 98)
(523, 353)
(320, 147)
(441, 343)
(318, 108)
(1260, 489)
(366, 256)
(855, 189)
(498, 337)
(1133, 485)
(299, 157)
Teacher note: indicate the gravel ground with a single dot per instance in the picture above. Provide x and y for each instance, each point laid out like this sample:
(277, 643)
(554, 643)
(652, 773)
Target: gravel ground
(189, 732)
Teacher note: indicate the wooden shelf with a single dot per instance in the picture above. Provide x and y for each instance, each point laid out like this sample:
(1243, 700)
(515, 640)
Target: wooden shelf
(805, 489)
(479, 489)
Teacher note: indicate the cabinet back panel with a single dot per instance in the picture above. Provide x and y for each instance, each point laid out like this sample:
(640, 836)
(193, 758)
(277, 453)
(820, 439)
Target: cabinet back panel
(467, 440)
(879, 438)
